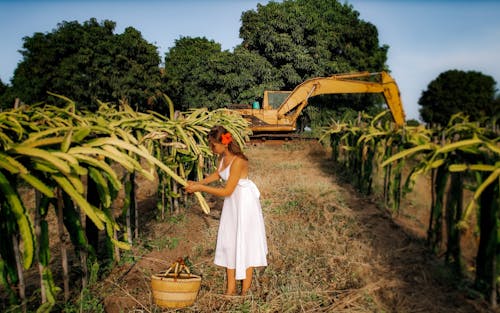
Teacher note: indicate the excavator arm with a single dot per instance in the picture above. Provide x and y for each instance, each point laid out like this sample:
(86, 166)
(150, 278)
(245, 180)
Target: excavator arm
(293, 105)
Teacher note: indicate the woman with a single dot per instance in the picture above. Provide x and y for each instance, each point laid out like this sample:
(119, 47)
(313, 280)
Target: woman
(241, 240)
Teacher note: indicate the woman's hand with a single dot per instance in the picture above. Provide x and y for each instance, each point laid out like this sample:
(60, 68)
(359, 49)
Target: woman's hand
(192, 186)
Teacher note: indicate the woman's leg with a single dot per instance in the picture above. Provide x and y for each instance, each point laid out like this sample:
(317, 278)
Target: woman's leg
(247, 282)
(231, 281)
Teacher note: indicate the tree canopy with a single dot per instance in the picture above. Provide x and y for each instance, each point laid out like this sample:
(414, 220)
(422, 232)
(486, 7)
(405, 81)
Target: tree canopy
(88, 63)
(3, 87)
(7, 99)
(199, 74)
(310, 38)
(3, 91)
(454, 91)
(188, 72)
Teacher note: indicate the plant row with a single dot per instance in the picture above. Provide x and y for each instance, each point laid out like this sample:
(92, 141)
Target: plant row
(77, 163)
(461, 158)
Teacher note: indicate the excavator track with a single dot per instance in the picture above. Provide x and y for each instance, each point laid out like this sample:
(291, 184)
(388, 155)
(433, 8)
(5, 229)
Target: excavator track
(273, 138)
(264, 136)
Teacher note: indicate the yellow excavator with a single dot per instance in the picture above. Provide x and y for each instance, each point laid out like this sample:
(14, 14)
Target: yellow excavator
(280, 109)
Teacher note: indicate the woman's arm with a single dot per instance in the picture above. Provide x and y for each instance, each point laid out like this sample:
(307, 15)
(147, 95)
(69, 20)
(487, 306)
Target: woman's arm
(210, 178)
(234, 176)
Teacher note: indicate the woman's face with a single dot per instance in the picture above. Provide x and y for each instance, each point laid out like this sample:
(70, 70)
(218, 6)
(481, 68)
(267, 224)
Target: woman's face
(217, 147)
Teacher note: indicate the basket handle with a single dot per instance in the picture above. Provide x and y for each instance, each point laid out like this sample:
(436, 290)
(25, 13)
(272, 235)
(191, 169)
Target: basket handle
(176, 268)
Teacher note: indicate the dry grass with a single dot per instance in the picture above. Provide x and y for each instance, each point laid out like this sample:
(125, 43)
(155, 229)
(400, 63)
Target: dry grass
(329, 250)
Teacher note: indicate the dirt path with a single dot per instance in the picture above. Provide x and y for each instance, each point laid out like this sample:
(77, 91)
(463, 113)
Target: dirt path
(330, 250)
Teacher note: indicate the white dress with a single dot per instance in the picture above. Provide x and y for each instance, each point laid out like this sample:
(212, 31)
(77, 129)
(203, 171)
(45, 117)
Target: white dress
(241, 240)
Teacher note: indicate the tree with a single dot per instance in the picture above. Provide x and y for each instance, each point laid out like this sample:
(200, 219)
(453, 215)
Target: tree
(186, 65)
(3, 91)
(454, 91)
(7, 99)
(244, 76)
(304, 39)
(199, 74)
(88, 62)
(496, 108)
(3, 87)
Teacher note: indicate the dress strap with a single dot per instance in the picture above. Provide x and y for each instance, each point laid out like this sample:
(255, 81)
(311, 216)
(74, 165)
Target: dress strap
(234, 157)
(221, 165)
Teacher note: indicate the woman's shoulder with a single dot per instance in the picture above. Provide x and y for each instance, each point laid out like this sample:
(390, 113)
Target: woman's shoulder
(240, 160)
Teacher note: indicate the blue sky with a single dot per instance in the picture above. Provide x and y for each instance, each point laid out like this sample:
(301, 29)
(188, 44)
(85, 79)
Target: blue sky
(425, 37)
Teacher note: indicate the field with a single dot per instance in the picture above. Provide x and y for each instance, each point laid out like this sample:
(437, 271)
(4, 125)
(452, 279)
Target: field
(330, 249)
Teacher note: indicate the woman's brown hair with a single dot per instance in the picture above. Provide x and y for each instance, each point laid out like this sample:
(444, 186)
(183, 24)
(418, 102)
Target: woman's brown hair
(216, 133)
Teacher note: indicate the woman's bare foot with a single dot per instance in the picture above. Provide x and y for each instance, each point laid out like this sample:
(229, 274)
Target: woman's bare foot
(247, 282)
(231, 282)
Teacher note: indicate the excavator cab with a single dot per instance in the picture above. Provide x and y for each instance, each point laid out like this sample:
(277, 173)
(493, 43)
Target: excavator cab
(274, 99)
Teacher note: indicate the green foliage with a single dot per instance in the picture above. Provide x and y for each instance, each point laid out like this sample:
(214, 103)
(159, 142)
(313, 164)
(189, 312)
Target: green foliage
(87, 302)
(454, 91)
(412, 123)
(186, 65)
(8, 273)
(304, 39)
(10, 200)
(199, 74)
(161, 243)
(246, 76)
(6, 98)
(89, 299)
(89, 62)
(3, 87)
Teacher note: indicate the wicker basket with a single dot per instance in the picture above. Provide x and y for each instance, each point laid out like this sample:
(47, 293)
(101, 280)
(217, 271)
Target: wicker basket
(175, 292)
